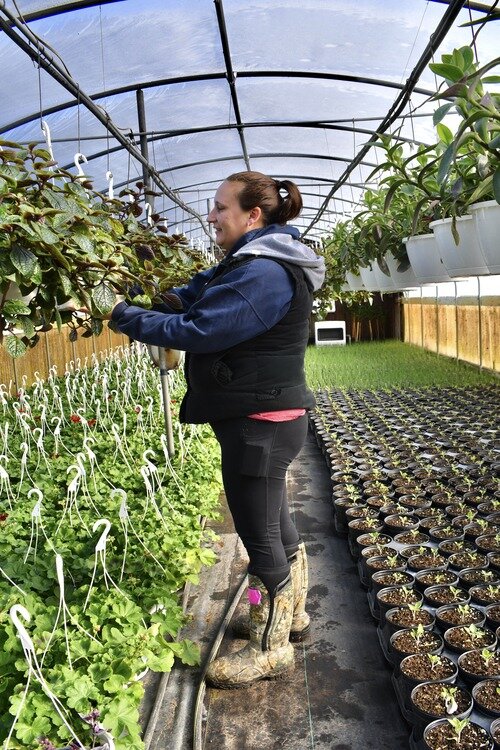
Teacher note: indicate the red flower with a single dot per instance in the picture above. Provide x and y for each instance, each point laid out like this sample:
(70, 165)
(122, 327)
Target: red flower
(75, 418)
(91, 422)
(138, 409)
(3, 517)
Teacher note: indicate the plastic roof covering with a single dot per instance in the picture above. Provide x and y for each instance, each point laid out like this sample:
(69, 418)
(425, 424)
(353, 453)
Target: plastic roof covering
(296, 120)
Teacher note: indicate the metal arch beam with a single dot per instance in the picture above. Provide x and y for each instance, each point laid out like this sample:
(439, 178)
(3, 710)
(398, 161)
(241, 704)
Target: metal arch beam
(57, 10)
(300, 124)
(36, 50)
(158, 83)
(270, 154)
(81, 4)
(454, 8)
(231, 78)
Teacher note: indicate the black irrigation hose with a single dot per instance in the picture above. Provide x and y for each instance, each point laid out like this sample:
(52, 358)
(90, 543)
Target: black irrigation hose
(198, 718)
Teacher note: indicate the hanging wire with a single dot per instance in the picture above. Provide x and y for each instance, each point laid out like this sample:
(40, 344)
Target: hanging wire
(480, 27)
(103, 72)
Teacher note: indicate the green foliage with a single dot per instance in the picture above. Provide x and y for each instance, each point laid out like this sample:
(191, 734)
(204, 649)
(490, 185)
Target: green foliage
(125, 628)
(61, 241)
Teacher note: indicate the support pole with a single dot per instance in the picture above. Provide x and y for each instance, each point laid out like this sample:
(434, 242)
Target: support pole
(166, 401)
(437, 321)
(143, 139)
(479, 324)
(421, 318)
(456, 322)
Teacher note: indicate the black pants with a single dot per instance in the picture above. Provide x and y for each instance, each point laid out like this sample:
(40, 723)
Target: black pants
(255, 457)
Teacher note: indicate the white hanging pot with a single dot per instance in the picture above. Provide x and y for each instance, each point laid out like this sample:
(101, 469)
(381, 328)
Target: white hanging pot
(355, 282)
(14, 292)
(385, 282)
(425, 259)
(402, 279)
(370, 281)
(173, 357)
(486, 217)
(466, 258)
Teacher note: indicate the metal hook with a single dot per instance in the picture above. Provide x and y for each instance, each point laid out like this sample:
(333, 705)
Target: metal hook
(80, 158)
(48, 138)
(109, 177)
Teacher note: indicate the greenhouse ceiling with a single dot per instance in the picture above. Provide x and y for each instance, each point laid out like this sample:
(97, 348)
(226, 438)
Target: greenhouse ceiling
(185, 92)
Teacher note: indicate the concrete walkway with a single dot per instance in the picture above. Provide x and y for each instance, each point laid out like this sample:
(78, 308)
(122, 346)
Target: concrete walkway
(340, 696)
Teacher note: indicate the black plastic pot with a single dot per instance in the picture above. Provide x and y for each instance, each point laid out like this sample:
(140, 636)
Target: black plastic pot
(430, 643)
(473, 676)
(477, 616)
(420, 719)
(472, 728)
(488, 686)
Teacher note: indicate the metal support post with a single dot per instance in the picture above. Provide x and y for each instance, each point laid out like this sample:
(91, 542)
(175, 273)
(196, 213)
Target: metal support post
(479, 323)
(166, 400)
(143, 139)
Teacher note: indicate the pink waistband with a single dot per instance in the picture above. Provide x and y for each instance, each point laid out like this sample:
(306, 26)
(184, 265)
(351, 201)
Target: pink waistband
(285, 415)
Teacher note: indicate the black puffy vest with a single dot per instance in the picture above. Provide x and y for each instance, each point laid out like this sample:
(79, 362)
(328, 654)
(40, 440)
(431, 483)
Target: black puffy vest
(265, 373)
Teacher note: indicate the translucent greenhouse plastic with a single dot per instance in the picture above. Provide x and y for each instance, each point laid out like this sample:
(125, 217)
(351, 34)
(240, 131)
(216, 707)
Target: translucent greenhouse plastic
(293, 89)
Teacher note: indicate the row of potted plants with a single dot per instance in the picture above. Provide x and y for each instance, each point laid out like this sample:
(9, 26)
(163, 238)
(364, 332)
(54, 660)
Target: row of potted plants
(415, 491)
(435, 213)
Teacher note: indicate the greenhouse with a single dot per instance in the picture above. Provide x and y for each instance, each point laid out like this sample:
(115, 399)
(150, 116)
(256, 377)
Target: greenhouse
(249, 358)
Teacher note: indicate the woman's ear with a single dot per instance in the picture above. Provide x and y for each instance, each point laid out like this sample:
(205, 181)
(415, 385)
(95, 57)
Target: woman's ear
(255, 218)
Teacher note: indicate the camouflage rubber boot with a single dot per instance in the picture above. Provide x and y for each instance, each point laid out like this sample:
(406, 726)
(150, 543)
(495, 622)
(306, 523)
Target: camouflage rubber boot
(268, 655)
(300, 621)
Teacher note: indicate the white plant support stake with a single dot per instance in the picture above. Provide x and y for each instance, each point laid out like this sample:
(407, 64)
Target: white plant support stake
(126, 521)
(71, 498)
(150, 495)
(5, 481)
(38, 435)
(100, 556)
(2, 571)
(34, 671)
(119, 447)
(35, 521)
(24, 467)
(80, 459)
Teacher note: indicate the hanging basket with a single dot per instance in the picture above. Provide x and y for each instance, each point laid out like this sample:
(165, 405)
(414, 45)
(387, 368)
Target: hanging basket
(466, 258)
(370, 281)
(354, 281)
(425, 259)
(486, 217)
(402, 279)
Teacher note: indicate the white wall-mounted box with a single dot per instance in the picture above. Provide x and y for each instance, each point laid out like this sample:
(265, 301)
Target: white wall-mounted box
(329, 332)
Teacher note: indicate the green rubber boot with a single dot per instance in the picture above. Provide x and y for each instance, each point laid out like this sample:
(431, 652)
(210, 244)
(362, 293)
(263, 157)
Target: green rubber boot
(300, 621)
(268, 655)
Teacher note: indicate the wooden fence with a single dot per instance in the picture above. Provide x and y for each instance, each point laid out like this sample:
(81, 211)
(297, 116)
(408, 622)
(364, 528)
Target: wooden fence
(54, 350)
(463, 328)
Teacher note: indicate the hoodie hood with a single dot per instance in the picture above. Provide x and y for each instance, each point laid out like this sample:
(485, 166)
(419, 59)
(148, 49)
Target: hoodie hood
(281, 243)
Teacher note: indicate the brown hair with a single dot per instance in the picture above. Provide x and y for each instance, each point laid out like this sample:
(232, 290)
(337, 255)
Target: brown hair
(260, 190)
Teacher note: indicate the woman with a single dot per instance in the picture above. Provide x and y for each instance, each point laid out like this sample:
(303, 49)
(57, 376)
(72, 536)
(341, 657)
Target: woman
(244, 326)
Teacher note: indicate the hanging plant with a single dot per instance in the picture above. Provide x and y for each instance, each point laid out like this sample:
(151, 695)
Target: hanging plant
(62, 241)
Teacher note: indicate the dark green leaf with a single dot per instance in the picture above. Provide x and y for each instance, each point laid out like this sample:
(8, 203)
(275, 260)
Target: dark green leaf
(16, 307)
(440, 113)
(445, 164)
(103, 298)
(446, 70)
(15, 347)
(24, 260)
(496, 185)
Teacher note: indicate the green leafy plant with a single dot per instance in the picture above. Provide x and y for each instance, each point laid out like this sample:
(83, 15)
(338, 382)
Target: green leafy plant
(63, 242)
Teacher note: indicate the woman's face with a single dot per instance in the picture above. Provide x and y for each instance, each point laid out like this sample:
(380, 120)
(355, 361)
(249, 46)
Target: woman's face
(229, 220)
